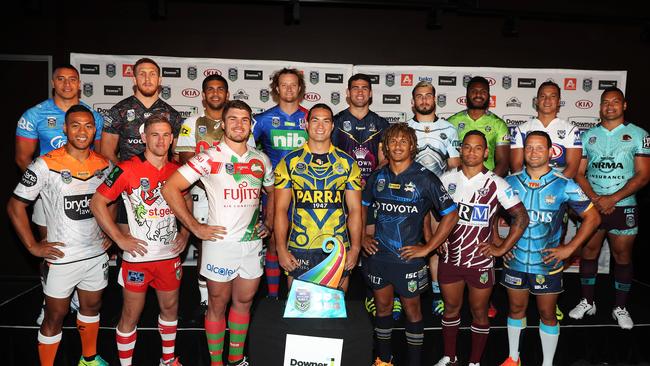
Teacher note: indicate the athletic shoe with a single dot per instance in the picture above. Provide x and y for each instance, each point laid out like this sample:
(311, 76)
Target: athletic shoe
(558, 313)
(379, 362)
(397, 308)
(370, 305)
(241, 362)
(173, 362)
(582, 308)
(98, 361)
(474, 364)
(511, 362)
(446, 361)
(41, 315)
(492, 311)
(438, 307)
(623, 317)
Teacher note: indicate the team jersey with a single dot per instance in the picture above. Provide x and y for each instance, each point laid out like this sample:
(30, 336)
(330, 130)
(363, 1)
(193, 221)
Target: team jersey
(610, 157)
(44, 122)
(478, 199)
(233, 184)
(563, 136)
(546, 200)
(66, 186)
(495, 130)
(150, 218)
(126, 119)
(437, 142)
(199, 133)
(360, 138)
(318, 194)
(401, 203)
(278, 133)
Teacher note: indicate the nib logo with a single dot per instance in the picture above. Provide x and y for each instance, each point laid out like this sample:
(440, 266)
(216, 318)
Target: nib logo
(288, 140)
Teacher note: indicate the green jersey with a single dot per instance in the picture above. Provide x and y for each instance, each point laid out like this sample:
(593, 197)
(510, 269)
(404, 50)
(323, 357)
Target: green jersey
(495, 130)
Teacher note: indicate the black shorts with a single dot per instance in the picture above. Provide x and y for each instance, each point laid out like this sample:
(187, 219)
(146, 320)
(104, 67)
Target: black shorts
(624, 220)
(480, 278)
(408, 279)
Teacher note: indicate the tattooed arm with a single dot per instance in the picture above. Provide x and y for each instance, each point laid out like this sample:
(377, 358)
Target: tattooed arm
(519, 224)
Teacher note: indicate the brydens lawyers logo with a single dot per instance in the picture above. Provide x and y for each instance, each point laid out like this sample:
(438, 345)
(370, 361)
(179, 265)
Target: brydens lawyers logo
(127, 70)
(584, 104)
(312, 97)
(570, 83)
(209, 72)
(406, 80)
(190, 93)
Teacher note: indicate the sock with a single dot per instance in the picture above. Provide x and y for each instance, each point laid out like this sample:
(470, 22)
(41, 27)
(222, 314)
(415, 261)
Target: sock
(167, 330)
(623, 274)
(203, 290)
(215, 332)
(383, 332)
(47, 347)
(238, 325)
(88, 327)
(515, 326)
(414, 339)
(480, 334)
(125, 345)
(549, 335)
(588, 270)
(435, 287)
(449, 334)
(272, 271)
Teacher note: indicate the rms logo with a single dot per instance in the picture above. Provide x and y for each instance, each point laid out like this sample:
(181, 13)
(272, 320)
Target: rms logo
(584, 104)
(312, 97)
(190, 93)
(209, 72)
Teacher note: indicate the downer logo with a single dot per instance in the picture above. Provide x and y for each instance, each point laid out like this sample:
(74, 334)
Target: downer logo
(604, 84)
(77, 207)
(392, 99)
(89, 69)
(446, 80)
(294, 362)
(252, 74)
(374, 79)
(334, 78)
(113, 90)
(171, 72)
(526, 83)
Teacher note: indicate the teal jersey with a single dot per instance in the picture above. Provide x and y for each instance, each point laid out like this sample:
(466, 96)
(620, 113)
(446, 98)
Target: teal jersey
(610, 157)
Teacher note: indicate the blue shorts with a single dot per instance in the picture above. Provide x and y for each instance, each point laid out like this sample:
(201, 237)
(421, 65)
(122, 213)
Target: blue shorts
(408, 279)
(537, 284)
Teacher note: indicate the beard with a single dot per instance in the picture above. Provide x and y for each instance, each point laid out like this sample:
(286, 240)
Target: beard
(471, 105)
(424, 110)
(147, 93)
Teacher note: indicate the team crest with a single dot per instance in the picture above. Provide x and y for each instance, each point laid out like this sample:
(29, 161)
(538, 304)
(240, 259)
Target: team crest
(130, 115)
(301, 167)
(202, 130)
(483, 192)
(144, 184)
(540, 279)
(66, 176)
(390, 79)
(303, 123)
(629, 221)
(372, 128)
(230, 168)
(587, 84)
(166, 92)
(466, 79)
(441, 100)
(592, 140)
(232, 74)
(461, 125)
(51, 122)
(506, 82)
(443, 136)
(335, 98)
(275, 121)
(314, 77)
(626, 138)
(110, 70)
(88, 90)
(409, 187)
(338, 168)
(561, 134)
(381, 184)
(264, 95)
(347, 126)
(412, 286)
(179, 272)
(549, 200)
(451, 188)
(483, 278)
(303, 299)
(488, 128)
(191, 72)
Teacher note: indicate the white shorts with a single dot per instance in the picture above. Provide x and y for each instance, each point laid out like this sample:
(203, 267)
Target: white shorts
(38, 215)
(200, 204)
(224, 261)
(60, 280)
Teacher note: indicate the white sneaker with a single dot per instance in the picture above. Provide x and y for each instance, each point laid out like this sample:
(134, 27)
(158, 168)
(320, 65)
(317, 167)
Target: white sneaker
(623, 317)
(583, 308)
(446, 361)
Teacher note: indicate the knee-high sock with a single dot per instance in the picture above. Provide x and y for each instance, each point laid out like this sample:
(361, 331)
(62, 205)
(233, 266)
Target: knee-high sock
(414, 340)
(450, 334)
(126, 345)
(167, 330)
(47, 347)
(588, 270)
(383, 333)
(88, 327)
(480, 334)
(515, 326)
(549, 335)
(215, 331)
(238, 324)
(272, 271)
(623, 274)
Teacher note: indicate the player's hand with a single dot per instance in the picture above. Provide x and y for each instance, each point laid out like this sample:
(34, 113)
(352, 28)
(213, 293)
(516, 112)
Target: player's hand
(554, 255)
(107, 242)
(47, 250)
(510, 255)
(262, 230)
(605, 204)
(413, 251)
(287, 261)
(369, 244)
(132, 245)
(490, 250)
(442, 250)
(180, 242)
(351, 259)
(209, 232)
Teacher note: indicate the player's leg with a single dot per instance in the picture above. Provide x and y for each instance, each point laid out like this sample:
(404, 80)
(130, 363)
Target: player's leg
(220, 294)
(549, 328)
(480, 286)
(135, 278)
(438, 305)
(49, 335)
(94, 279)
(384, 322)
(243, 292)
(414, 328)
(167, 282)
(516, 284)
(409, 281)
(621, 247)
(588, 271)
(452, 294)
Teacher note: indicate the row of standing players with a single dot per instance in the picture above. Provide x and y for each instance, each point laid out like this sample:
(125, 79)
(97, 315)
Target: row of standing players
(358, 132)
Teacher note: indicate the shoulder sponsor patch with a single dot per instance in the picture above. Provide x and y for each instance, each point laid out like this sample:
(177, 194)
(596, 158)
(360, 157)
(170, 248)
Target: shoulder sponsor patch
(29, 178)
(113, 176)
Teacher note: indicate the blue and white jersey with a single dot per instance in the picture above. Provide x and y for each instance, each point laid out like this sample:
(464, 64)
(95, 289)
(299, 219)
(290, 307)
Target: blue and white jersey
(44, 122)
(563, 136)
(437, 142)
(546, 200)
(279, 133)
(401, 203)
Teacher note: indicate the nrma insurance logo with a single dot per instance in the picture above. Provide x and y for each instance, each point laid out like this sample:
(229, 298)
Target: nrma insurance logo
(295, 362)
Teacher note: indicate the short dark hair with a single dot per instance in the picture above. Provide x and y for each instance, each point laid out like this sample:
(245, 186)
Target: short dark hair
(157, 118)
(213, 77)
(550, 83)
(476, 133)
(319, 106)
(275, 81)
(613, 89)
(145, 60)
(359, 76)
(236, 104)
(543, 134)
(397, 129)
(77, 108)
(423, 84)
(479, 80)
(65, 66)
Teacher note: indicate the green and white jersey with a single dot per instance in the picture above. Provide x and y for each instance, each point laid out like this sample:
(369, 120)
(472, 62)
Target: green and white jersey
(495, 130)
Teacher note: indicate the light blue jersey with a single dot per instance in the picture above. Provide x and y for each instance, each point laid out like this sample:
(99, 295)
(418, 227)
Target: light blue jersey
(610, 157)
(546, 200)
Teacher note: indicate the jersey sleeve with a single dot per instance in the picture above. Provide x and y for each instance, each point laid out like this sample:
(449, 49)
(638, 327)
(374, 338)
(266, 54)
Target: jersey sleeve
(354, 178)
(99, 125)
(33, 181)
(442, 201)
(454, 143)
(198, 166)
(368, 194)
(257, 129)
(112, 121)
(269, 178)
(584, 138)
(115, 183)
(27, 125)
(502, 133)
(186, 137)
(576, 141)
(576, 198)
(282, 177)
(517, 137)
(643, 146)
(505, 194)
(176, 120)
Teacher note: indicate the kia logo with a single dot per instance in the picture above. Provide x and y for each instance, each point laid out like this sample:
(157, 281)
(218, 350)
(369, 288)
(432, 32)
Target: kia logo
(312, 97)
(584, 104)
(491, 81)
(462, 100)
(209, 72)
(190, 93)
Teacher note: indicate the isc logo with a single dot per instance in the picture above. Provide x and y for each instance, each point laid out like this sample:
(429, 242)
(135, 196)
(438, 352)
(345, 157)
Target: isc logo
(476, 215)
(288, 140)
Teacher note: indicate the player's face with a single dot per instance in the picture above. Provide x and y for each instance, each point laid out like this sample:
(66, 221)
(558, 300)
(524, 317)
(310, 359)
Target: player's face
(478, 96)
(147, 79)
(66, 84)
(473, 151)
(612, 106)
(359, 93)
(548, 100)
(237, 125)
(215, 95)
(536, 153)
(288, 88)
(158, 137)
(320, 125)
(399, 148)
(424, 100)
(80, 130)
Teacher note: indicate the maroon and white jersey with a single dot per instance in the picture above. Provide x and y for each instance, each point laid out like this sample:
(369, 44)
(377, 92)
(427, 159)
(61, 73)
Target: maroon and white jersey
(478, 199)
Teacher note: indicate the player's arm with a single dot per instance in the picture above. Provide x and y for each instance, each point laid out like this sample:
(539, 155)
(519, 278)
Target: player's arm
(588, 225)
(185, 156)
(516, 159)
(581, 179)
(639, 180)
(99, 207)
(519, 224)
(368, 241)
(281, 228)
(445, 226)
(180, 241)
(355, 229)
(573, 160)
(502, 160)
(269, 213)
(17, 211)
(108, 147)
(25, 150)
(453, 163)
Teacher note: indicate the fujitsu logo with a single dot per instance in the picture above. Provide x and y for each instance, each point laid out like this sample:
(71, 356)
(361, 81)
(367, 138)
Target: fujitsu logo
(243, 192)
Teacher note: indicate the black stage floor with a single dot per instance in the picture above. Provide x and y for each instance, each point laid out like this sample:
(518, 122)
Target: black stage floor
(596, 340)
